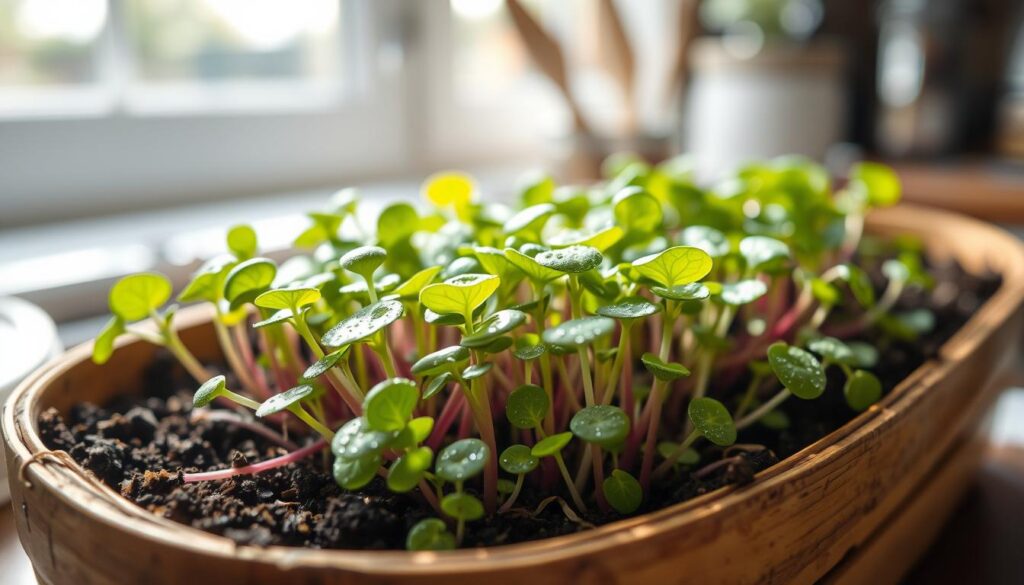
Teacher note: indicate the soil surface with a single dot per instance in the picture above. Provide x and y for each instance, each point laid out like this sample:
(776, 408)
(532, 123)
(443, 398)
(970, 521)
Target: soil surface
(140, 445)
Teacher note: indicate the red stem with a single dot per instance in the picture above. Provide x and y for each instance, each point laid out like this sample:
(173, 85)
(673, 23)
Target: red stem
(256, 467)
(466, 422)
(650, 446)
(449, 413)
(258, 375)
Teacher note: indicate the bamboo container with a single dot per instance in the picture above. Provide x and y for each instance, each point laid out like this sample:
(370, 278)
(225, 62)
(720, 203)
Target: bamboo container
(858, 506)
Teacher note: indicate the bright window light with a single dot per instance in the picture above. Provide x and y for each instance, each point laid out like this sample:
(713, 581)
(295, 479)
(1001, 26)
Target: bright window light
(272, 24)
(75, 21)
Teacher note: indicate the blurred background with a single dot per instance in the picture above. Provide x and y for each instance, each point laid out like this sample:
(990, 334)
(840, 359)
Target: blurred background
(111, 109)
(132, 132)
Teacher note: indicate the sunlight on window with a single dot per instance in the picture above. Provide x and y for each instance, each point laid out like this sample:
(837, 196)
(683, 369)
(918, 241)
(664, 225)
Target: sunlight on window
(272, 24)
(74, 21)
(49, 42)
(476, 9)
(222, 40)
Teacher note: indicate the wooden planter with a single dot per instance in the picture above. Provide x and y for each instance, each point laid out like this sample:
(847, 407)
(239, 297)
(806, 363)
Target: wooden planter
(858, 506)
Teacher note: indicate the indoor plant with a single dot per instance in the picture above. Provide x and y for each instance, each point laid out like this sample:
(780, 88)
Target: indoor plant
(578, 324)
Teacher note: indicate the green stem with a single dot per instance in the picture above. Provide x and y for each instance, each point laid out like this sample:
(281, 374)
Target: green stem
(573, 492)
(722, 325)
(886, 302)
(387, 360)
(480, 404)
(547, 379)
(819, 316)
(748, 396)
(241, 400)
(299, 322)
(677, 453)
(515, 494)
(613, 377)
(569, 484)
(314, 424)
(657, 397)
(460, 524)
(588, 381)
(278, 342)
(234, 360)
(762, 410)
(346, 388)
(413, 311)
(362, 377)
(575, 304)
(370, 289)
(563, 373)
(188, 361)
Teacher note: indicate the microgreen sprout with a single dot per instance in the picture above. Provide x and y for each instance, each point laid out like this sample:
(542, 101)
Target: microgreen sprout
(586, 343)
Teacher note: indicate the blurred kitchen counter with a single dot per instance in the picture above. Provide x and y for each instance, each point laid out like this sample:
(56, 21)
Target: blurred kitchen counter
(988, 189)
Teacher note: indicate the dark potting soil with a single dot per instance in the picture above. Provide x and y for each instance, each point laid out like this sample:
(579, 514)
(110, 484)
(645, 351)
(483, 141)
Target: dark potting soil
(141, 445)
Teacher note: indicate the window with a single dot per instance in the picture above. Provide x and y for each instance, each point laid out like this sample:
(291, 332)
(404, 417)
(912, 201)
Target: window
(111, 105)
(115, 106)
(145, 103)
(47, 45)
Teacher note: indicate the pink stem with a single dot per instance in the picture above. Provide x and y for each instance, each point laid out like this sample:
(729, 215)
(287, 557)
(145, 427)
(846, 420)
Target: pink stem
(281, 377)
(466, 422)
(449, 413)
(253, 427)
(292, 344)
(429, 496)
(650, 446)
(847, 329)
(256, 467)
(245, 348)
(373, 365)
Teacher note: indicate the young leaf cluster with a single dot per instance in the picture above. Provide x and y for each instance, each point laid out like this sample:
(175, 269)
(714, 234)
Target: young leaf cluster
(584, 343)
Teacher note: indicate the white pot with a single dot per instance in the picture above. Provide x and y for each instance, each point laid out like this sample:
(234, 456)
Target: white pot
(785, 99)
(28, 339)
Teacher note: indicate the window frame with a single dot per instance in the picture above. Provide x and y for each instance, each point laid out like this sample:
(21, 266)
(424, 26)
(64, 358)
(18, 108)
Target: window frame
(195, 153)
(392, 116)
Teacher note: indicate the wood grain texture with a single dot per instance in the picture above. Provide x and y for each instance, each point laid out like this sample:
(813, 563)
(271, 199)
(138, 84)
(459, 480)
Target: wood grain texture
(802, 520)
(907, 534)
(983, 189)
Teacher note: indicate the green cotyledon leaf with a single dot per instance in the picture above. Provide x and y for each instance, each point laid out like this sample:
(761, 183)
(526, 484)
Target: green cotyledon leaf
(459, 295)
(675, 266)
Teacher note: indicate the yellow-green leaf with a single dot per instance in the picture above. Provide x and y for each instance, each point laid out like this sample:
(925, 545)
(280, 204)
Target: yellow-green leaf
(103, 347)
(533, 269)
(675, 266)
(459, 295)
(133, 297)
(288, 298)
(411, 288)
(450, 189)
(242, 241)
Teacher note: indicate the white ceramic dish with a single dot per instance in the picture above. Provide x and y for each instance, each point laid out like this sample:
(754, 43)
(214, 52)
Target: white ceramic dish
(28, 339)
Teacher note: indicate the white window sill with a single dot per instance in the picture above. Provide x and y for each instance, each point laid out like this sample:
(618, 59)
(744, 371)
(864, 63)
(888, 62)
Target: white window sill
(67, 268)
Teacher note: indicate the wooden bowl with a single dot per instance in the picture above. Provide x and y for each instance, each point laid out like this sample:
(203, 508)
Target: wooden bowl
(857, 506)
